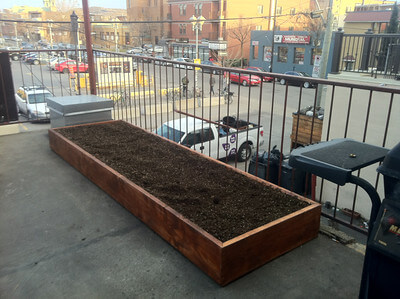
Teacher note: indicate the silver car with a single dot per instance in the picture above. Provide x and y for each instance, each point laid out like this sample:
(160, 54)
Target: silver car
(31, 101)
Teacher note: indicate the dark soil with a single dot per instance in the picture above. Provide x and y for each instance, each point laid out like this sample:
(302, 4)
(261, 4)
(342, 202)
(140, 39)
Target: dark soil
(221, 201)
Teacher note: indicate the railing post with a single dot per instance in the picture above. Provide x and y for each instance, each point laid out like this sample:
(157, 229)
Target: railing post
(337, 51)
(366, 50)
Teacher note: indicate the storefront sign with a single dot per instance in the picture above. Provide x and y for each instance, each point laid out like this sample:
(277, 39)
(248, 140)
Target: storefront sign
(217, 46)
(292, 39)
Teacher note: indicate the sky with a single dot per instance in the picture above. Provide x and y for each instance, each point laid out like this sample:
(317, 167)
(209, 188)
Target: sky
(39, 3)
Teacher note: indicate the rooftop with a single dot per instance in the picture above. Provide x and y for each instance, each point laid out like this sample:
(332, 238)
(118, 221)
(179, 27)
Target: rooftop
(62, 236)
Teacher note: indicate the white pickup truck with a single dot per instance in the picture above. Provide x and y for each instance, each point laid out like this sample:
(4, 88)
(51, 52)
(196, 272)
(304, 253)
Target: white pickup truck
(217, 139)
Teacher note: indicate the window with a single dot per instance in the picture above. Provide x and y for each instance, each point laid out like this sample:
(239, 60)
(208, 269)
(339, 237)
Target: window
(198, 9)
(279, 10)
(282, 54)
(260, 9)
(103, 68)
(258, 27)
(126, 67)
(291, 28)
(115, 67)
(293, 11)
(127, 38)
(182, 9)
(198, 136)
(267, 53)
(182, 29)
(315, 51)
(299, 55)
(255, 52)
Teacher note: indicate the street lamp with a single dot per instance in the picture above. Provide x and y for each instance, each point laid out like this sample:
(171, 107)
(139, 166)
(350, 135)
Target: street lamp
(197, 24)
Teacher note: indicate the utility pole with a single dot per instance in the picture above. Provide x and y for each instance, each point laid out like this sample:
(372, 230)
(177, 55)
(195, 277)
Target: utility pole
(51, 33)
(116, 36)
(325, 52)
(16, 33)
(273, 38)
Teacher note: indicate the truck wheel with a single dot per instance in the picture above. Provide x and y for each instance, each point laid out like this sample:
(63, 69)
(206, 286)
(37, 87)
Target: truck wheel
(65, 71)
(244, 152)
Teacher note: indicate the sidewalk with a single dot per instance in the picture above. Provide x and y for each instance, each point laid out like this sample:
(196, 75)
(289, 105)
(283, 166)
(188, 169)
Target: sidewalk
(61, 236)
(365, 78)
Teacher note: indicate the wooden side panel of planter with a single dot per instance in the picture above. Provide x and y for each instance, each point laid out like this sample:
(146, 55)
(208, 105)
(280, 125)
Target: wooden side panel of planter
(193, 242)
(254, 249)
(224, 262)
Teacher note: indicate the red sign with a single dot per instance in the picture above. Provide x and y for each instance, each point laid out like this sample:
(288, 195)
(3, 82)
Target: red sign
(296, 39)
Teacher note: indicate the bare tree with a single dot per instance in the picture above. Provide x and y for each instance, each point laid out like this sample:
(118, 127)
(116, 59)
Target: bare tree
(241, 33)
(66, 5)
(316, 29)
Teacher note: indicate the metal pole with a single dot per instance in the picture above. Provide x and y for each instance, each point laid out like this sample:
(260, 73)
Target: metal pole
(89, 49)
(273, 38)
(197, 55)
(325, 52)
(197, 40)
(51, 34)
(16, 33)
(116, 37)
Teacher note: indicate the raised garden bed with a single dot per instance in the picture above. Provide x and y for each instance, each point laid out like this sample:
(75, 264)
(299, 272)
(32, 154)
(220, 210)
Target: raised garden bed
(225, 221)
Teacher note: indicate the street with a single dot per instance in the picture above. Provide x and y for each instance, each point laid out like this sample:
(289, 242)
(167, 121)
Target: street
(267, 108)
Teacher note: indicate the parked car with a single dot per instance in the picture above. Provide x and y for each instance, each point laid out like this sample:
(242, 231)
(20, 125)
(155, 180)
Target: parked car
(134, 50)
(25, 56)
(182, 66)
(209, 70)
(31, 101)
(162, 62)
(243, 79)
(14, 55)
(259, 69)
(64, 66)
(39, 58)
(158, 49)
(142, 57)
(306, 84)
(53, 61)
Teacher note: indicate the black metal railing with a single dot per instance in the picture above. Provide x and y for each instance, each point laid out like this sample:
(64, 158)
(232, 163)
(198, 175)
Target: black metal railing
(149, 92)
(377, 54)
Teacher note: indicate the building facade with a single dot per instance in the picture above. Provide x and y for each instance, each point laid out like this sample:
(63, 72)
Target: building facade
(182, 33)
(147, 11)
(292, 51)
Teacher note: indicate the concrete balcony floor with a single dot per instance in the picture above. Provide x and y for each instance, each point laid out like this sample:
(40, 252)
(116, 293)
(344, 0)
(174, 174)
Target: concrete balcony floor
(62, 237)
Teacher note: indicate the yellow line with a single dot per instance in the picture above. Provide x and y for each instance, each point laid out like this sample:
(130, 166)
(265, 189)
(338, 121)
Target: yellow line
(24, 127)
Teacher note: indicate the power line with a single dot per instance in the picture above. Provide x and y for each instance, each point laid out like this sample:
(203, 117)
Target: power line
(150, 22)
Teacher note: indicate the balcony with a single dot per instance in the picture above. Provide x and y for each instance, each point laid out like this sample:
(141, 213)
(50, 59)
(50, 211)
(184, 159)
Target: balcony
(59, 230)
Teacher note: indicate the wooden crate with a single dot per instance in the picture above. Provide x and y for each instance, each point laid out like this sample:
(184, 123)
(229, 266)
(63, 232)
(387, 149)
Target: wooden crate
(222, 261)
(304, 130)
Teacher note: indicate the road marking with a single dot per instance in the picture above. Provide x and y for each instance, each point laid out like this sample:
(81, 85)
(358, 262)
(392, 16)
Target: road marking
(24, 127)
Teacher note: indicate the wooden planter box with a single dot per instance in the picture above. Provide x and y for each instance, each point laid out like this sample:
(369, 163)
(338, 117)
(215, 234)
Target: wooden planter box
(302, 135)
(222, 261)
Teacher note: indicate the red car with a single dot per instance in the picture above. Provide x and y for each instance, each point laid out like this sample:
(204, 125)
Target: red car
(258, 69)
(65, 66)
(244, 79)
